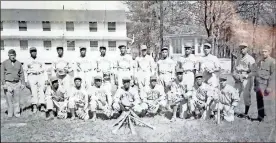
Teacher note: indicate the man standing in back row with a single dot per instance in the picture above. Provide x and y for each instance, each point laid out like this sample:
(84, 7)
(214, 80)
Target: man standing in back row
(146, 68)
(36, 77)
(243, 77)
(210, 67)
(123, 65)
(12, 81)
(264, 85)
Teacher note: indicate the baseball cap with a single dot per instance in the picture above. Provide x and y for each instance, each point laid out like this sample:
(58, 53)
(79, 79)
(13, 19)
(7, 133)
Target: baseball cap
(144, 47)
(102, 47)
(77, 77)
(188, 45)
(164, 48)
(53, 78)
(223, 77)
(33, 49)
(126, 78)
(121, 46)
(243, 45)
(267, 47)
(59, 47)
(97, 77)
(12, 51)
(179, 70)
(153, 77)
(82, 48)
(199, 75)
(207, 45)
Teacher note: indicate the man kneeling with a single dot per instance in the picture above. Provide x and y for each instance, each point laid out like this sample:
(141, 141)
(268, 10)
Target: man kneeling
(203, 98)
(78, 100)
(127, 98)
(56, 97)
(153, 96)
(100, 98)
(228, 99)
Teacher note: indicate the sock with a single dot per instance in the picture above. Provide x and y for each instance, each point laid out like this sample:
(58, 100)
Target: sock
(246, 110)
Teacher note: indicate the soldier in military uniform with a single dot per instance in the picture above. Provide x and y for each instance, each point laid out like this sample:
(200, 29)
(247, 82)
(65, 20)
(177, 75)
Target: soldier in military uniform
(56, 97)
(210, 66)
(85, 66)
(35, 78)
(127, 98)
(123, 65)
(166, 69)
(104, 68)
(228, 99)
(146, 67)
(153, 96)
(243, 77)
(62, 68)
(265, 84)
(78, 100)
(100, 98)
(179, 96)
(202, 98)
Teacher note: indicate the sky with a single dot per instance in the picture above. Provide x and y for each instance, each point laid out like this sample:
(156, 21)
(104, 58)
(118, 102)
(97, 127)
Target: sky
(80, 5)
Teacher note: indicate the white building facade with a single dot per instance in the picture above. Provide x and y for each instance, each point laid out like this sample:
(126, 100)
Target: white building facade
(47, 29)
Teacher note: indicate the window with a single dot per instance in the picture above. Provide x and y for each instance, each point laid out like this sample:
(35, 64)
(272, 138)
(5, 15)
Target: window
(69, 26)
(22, 25)
(23, 44)
(47, 45)
(2, 44)
(71, 45)
(1, 25)
(112, 45)
(94, 45)
(93, 26)
(46, 26)
(111, 26)
(177, 46)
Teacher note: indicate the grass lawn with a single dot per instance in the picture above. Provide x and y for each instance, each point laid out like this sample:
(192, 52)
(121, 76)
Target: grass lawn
(34, 128)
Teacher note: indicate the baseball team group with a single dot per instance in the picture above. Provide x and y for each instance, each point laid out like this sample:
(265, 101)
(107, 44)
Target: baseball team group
(191, 87)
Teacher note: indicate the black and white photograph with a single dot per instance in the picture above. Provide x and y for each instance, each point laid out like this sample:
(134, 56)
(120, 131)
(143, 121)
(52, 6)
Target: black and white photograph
(138, 71)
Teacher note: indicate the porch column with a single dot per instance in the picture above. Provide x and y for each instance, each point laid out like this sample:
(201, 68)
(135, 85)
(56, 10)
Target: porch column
(196, 46)
(170, 47)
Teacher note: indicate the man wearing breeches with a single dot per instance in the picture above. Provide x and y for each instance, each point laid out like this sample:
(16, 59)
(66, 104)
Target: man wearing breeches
(100, 98)
(153, 96)
(243, 77)
(35, 78)
(78, 100)
(56, 97)
(127, 97)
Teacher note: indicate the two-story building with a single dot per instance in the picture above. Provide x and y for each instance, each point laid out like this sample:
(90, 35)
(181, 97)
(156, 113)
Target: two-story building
(46, 29)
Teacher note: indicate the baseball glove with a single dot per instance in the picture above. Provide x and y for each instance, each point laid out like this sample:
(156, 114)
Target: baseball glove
(82, 114)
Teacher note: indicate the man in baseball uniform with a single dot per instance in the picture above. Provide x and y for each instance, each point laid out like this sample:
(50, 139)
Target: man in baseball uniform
(105, 68)
(62, 68)
(210, 67)
(78, 100)
(179, 95)
(123, 65)
(100, 98)
(243, 77)
(228, 99)
(86, 67)
(56, 97)
(166, 69)
(202, 98)
(127, 98)
(146, 67)
(35, 78)
(153, 96)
